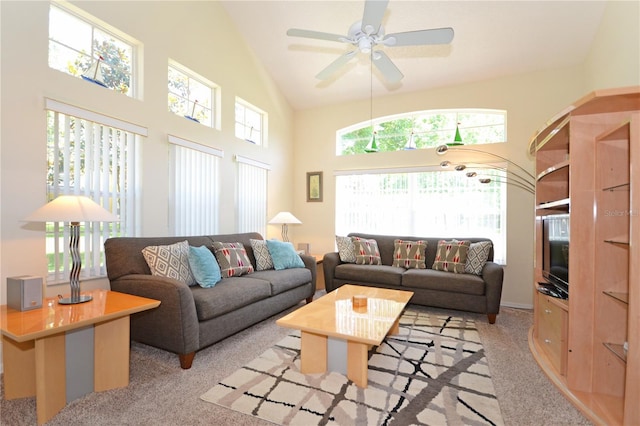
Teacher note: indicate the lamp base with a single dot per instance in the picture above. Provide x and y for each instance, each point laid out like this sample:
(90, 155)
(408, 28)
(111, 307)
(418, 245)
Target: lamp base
(70, 301)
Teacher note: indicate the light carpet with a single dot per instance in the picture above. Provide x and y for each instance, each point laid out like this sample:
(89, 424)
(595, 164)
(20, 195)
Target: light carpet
(433, 372)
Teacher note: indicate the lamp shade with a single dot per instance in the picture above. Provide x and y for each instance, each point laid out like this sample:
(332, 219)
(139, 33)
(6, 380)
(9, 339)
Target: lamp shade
(284, 218)
(72, 208)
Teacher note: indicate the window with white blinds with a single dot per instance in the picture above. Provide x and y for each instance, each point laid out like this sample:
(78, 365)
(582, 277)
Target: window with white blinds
(92, 155)
(195, 188)
(252, 195)
(437, 204)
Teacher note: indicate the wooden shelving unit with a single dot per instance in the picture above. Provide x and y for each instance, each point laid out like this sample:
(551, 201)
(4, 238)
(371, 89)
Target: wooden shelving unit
(588, 165)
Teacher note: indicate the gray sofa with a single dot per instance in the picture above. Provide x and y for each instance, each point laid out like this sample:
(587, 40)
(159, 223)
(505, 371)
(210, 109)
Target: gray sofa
(190, 318)
(465, 292)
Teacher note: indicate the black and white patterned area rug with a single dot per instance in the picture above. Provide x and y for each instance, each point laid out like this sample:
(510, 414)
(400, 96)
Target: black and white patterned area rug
(433, 372)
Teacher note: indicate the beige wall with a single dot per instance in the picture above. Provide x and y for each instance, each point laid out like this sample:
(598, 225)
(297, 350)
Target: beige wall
(298, 143)
(196, 34)
(530, 100)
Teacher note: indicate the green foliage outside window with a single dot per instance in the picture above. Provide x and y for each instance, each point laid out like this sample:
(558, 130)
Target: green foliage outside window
(429, 128)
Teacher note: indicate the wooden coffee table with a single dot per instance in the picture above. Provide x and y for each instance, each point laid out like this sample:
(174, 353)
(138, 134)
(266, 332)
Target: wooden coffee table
(44, 350)
(333, 316)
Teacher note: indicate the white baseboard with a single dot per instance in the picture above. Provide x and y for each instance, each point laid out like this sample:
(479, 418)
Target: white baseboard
(517, 305)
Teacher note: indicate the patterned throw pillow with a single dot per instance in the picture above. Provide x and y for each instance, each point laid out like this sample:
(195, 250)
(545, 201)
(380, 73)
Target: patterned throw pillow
(477, 257)
(346, 249)
(409, 254)
(170, 261)
(233, 259)
(451, 256)
(261, 252)
(367, 252)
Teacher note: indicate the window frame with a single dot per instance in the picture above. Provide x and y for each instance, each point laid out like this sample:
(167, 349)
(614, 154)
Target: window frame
(407, 138)
(214, 95)
(245, 125)
(108, 30)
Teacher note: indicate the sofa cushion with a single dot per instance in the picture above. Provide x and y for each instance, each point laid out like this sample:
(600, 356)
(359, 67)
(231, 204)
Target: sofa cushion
(380, 274)
(171, 261)
(346, 249)
(261, 252)
(443, 281)
(409, 254)
(284, 280)
(232, 258)
(477, 257)
(283, 254)
(204, 266)
(228, 295)
(451, 256)
(367, 252)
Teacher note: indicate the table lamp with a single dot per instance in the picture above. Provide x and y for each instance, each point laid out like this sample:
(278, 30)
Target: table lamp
(284, 218)
(73, 209)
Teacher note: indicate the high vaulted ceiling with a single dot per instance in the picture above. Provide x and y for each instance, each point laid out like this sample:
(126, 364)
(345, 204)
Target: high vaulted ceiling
(492, 39)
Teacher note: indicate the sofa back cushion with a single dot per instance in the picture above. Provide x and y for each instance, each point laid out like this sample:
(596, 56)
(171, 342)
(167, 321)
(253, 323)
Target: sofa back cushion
(386, 245)
(123, 255)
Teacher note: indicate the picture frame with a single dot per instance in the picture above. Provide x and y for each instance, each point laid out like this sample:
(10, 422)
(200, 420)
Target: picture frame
(314, 186)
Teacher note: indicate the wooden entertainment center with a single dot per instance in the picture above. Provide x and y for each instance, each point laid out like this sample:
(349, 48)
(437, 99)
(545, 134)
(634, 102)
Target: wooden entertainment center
(588, 167)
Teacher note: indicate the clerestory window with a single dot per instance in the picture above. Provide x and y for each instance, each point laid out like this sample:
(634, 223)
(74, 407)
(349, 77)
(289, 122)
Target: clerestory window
(192, 96)
(250, 122)
(80, 46)
(423, 129)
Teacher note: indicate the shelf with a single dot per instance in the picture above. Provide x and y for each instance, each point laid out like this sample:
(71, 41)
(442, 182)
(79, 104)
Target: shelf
(554, 204)
(618, 295)
(617, 349)
(558, 134)
(558, 171)
(620, 187)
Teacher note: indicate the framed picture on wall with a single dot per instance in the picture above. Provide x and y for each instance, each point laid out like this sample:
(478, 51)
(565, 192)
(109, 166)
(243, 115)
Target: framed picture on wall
(314, 186)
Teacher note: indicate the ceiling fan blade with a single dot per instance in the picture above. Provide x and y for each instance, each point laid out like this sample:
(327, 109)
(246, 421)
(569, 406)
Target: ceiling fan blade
(335, 65)
(388, 69)
(295, 32)
(373, 14)
(415, 38)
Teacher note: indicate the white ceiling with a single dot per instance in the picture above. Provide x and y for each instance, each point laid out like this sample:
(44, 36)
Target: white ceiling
(492, 39)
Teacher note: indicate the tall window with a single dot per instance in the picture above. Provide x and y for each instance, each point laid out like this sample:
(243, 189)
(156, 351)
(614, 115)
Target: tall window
(250, 122)
(195, 187)
(85, 49)
(424, 129)
(424, 203)
(95, 156)
(252, 195)
(191, 95)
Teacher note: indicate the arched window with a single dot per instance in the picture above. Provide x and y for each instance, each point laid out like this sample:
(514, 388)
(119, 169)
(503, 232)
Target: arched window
(423, 129)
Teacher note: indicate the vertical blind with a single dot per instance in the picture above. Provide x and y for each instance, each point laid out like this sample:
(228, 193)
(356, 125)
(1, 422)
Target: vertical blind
(252, 195)
(195, 188)
(436, 204)
(87, 157)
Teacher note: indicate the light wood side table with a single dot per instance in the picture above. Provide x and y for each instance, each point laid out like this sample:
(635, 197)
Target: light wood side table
(43, 349)
(319, 271)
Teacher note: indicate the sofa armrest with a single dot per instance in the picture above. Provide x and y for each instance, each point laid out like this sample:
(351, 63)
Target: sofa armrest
(311, 265)
(329, 264)
(493, 275)
(174, 324)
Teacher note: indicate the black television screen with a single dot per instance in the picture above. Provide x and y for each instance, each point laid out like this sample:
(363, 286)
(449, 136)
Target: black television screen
(555, 251)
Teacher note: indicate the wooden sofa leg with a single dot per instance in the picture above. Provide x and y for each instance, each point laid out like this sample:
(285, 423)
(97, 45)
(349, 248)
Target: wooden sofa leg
(186, 360)
(309, 299)
(492, 318)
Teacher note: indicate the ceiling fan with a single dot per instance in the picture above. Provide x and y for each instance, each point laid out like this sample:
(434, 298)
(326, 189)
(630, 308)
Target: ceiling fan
(368, 33)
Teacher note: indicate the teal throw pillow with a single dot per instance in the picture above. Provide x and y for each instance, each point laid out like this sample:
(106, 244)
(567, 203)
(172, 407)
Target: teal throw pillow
(204, 267)
(284, 256)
